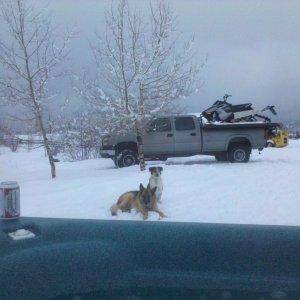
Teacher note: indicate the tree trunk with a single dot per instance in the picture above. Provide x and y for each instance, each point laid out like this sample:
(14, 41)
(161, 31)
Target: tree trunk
(47, 146)
(37, 110)
(140, 147)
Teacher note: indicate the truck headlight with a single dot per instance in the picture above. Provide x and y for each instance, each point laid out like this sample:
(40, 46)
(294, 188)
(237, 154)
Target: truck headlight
(105, 141)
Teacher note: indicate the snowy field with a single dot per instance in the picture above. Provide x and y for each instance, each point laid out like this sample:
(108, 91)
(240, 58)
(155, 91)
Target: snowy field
(264, 191)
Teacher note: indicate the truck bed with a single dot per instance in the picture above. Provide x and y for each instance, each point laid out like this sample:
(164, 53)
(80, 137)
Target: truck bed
(241, 125)
(217, 136)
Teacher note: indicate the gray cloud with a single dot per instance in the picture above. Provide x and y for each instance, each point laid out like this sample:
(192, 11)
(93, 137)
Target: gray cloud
(253, 47)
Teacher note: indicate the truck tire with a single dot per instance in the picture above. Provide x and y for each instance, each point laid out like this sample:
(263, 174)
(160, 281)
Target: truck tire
(239, 153)
(126, 158)
(222, 156)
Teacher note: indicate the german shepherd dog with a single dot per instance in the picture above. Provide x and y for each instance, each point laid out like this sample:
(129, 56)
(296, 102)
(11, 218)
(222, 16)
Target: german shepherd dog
(143, 200)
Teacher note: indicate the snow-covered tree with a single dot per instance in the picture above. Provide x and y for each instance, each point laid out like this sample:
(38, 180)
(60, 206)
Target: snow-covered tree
(78, 136)
(30, 55)
(143, 67)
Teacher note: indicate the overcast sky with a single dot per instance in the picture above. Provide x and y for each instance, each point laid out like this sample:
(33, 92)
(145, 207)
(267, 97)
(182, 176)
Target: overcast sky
(253, 47)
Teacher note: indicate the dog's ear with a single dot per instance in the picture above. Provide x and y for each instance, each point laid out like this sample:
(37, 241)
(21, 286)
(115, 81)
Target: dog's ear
(151, 169)
(142, 187)
(160, 169)
(153, 190)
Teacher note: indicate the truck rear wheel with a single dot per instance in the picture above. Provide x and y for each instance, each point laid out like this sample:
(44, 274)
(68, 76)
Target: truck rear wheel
(239, 153)
(222, 156)
(126, 158)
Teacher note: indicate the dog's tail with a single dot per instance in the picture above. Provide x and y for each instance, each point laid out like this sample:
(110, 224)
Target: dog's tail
(114, 209)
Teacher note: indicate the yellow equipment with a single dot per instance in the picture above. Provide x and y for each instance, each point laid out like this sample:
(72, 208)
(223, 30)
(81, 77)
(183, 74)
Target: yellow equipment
(279, 139)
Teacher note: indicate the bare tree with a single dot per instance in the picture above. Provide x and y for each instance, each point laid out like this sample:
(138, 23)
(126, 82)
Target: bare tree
(30, 56)
(142, 69)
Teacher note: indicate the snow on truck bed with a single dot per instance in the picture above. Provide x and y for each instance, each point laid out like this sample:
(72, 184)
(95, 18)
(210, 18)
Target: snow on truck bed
(198, 189)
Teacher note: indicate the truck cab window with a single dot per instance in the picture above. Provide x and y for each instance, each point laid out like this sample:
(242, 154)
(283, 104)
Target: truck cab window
(160, 125)
(184, 123)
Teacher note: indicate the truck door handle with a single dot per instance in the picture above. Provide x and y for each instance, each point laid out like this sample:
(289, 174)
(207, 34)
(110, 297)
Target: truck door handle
(193, 134)
(169, 134)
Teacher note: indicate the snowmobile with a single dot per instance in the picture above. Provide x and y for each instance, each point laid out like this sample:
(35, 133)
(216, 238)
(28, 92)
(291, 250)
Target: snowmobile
(279, 138)
(222, 111)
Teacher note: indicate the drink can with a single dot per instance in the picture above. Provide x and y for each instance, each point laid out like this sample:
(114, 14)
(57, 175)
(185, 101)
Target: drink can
(9, 200)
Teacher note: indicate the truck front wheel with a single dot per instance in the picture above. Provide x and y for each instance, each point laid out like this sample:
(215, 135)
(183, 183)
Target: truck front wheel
(126, 158)
(239, 153)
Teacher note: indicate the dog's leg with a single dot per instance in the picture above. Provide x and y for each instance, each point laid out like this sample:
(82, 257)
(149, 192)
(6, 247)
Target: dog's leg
(126, 207)
(160, 213)
(158, 196)
(139, 207)
(145, 215)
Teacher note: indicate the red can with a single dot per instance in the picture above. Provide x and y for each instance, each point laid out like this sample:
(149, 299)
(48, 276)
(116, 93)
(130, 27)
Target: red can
(9, 200)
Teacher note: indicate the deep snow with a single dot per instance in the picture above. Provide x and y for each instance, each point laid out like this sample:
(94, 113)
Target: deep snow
(264, 191)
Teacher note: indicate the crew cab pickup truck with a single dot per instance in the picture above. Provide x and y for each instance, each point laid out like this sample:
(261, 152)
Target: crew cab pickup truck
(187, 135)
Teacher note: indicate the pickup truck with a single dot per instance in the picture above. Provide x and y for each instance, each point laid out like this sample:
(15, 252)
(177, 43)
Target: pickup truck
(187, 135)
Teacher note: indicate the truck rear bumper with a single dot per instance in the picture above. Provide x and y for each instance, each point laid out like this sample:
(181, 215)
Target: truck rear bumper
(107, 153)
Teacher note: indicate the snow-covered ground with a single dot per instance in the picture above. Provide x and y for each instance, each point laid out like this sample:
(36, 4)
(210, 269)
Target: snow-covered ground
(264, 191)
